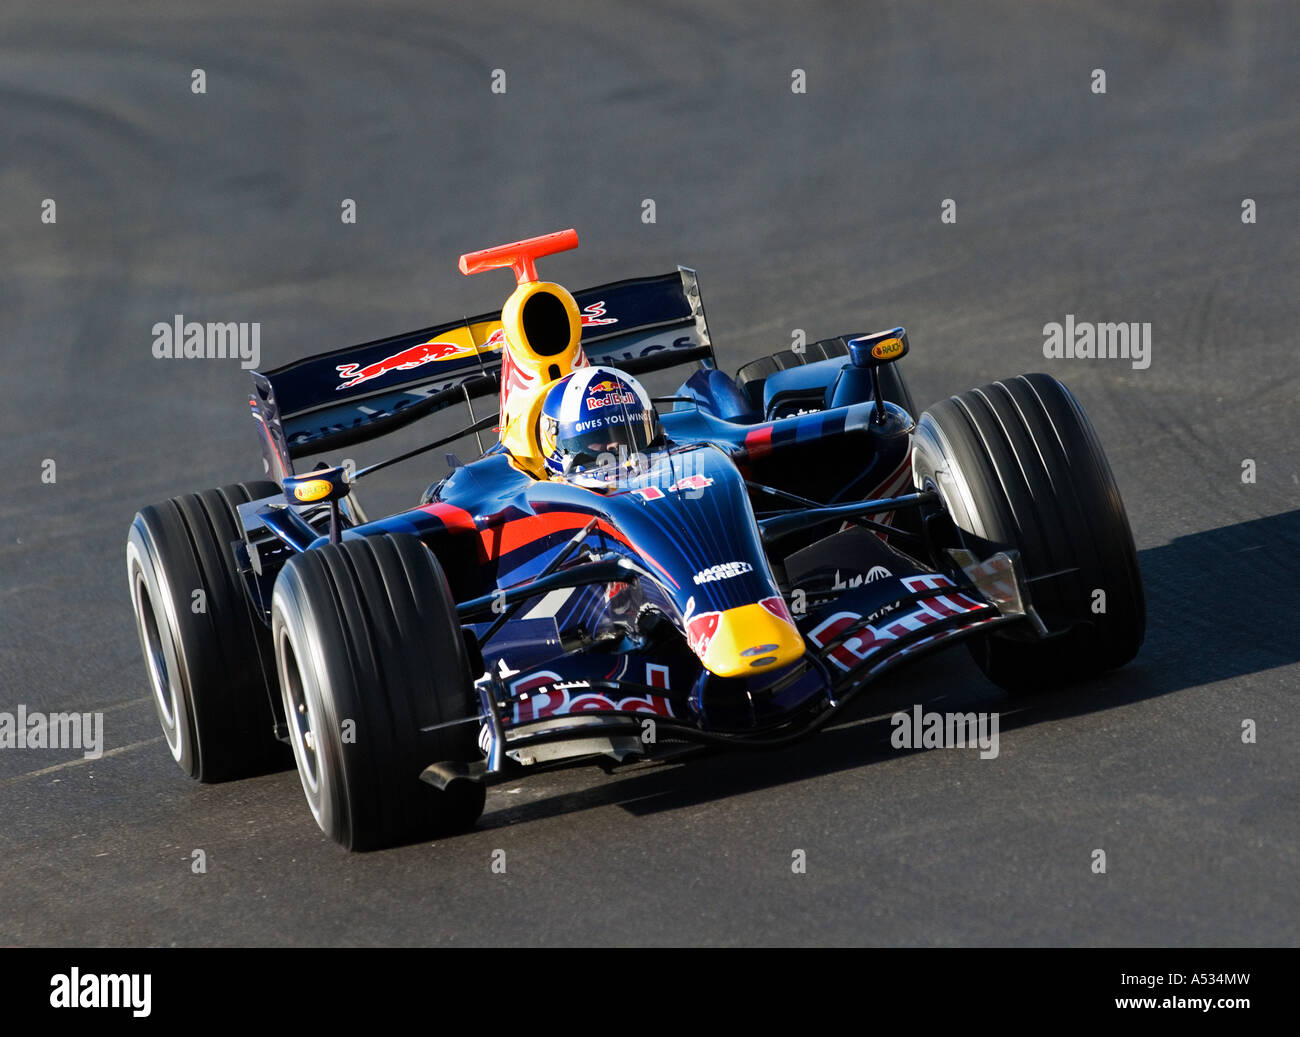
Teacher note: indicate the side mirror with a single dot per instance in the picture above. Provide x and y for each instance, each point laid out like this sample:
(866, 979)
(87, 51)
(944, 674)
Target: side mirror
(872, 352)
(881, 347)
(324, 484)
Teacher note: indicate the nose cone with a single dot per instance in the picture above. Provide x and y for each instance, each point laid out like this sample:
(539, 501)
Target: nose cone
(746, 640)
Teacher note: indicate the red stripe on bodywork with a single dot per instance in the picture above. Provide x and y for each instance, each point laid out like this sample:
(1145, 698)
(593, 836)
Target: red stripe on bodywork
(758, 443)
(509, 536)
(456, 519)
(524, 531)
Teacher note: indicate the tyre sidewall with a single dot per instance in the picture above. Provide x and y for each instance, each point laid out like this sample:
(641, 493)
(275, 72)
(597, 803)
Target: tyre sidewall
(146, 574)
(295, 623)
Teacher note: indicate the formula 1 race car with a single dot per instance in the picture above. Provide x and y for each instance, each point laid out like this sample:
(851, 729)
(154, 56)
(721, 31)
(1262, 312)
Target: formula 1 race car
(617, 577)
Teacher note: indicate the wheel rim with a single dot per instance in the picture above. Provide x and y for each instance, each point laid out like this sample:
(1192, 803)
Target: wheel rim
(165, 690)
(300, 717)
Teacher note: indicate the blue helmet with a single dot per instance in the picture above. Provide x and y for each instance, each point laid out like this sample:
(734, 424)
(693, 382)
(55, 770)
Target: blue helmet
(595, 421)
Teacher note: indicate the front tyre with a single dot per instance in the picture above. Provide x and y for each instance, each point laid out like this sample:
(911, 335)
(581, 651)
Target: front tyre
(376, 686)
(1019, 467)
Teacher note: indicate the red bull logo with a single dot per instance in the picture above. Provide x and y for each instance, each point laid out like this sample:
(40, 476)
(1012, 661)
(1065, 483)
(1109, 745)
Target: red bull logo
(544, 694)
(610, 398)
(406, 360)
(700, 630)
(608, 385)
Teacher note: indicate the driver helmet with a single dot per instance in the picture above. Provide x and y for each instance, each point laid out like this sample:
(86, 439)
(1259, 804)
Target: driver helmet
(595, 423)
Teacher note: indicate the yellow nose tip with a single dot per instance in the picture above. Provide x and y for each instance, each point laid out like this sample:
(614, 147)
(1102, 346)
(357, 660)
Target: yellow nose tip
(745, 640)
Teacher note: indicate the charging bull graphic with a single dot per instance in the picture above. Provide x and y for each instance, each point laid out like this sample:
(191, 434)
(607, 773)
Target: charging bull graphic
(424, 353)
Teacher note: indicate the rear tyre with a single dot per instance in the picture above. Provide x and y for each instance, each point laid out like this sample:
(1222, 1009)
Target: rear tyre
(208, 655)
(371, 662)
(1019, 467)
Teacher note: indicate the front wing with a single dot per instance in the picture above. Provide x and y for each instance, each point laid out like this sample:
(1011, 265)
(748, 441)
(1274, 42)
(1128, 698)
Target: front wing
(580, 705)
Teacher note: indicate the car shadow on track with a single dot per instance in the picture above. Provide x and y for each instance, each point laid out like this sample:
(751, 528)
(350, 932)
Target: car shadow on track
(1221, 604)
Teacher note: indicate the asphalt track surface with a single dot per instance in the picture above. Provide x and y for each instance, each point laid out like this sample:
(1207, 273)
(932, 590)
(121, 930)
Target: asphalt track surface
(818, 211)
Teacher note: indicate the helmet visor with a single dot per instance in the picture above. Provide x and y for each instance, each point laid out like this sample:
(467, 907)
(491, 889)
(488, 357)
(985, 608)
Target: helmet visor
(613, 439)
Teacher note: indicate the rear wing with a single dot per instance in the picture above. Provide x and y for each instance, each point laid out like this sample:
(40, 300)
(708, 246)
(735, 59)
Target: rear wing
(358, 393)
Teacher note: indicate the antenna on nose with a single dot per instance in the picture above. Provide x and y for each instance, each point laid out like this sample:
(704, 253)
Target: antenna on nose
(520, 256)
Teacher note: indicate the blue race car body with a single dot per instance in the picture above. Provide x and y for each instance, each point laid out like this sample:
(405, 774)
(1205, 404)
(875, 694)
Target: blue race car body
(797, 531)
